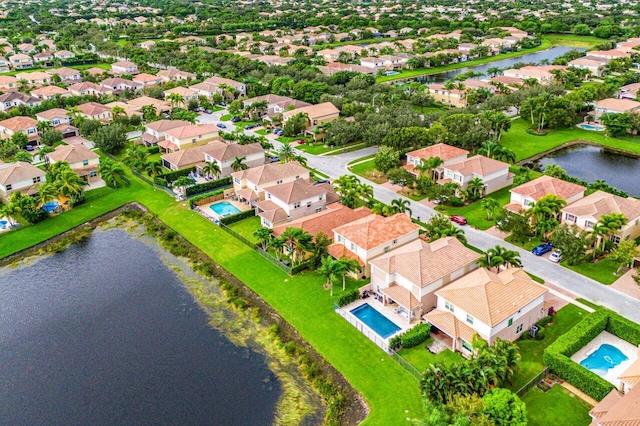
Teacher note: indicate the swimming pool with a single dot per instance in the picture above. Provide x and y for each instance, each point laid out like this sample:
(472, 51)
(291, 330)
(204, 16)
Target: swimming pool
(605, 357)
(50, 206)
(595, 127)
(375, 320)
(3, 223)
(224, 208)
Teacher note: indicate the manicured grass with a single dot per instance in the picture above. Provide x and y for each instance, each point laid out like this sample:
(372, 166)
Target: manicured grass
(368, 170)
(247, 227)
(588, 303)
(420, 357)
(557, 406)
(289, 139)
(226, 117)
(529, 243)
(429, 71)
(427, 110)
(474, 213)
(391, 393)
(316, 148)
(262, 132)
(573, 40)
(602, 271)
(241, 124)
(215, 108)
(102, 65)
(531, 350)
(347, 148)
(358, 160)
(526, 145)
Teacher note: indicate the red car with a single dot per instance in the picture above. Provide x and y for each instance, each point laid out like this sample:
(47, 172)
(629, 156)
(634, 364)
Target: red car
(458, 219)
(301, 141)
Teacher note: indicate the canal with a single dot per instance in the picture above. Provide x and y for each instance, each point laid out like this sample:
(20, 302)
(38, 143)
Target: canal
(105, 333)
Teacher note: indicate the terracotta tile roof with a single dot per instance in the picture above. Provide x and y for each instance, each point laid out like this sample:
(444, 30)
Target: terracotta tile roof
(272, 173)
(49, 91)
(449, 324)
(7, 79)
(602, 203)
(164, 125)
(72, 154)
(624, 412)
(93, 108)
(338, 251)
(606, 404)
(13, 96)
(509, 81)
(75, 140)
(182, 91)
(50, 114)
(631, 376)
(423, 263)
(324, 221)
(491, 297)
(479, 165)
(222, 151)
(545, 185)
(185, 157)
(297, 190)
(18, 123)
(191, 131)
(145, 78)
(441, 150)
(84, 86)
(621, 105)
(221, 80)
(145, 100)
(374, 230)
(11, 173)
(315, 111)
(402, 296)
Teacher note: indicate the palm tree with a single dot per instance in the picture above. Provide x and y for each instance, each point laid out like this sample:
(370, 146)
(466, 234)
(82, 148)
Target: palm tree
(548, 207)
(300, 159)
(112, 173)
(286, 153)
(47, 192)
(44, 157)
(493, 71)
(347, 265)
(429, 165)
(489, 205)
(263, 235)
(149, 112)
(10, 210)
(43, 126)
(499, 256)
(136, 157)
(401, 205)
(176, 99)
(238, 164)
(212, 168)
(276, 244)
(331, 269)
(69, 184)
(611, 223)
(182, 183)
(117, 111)
(153, 168)
(476, 187)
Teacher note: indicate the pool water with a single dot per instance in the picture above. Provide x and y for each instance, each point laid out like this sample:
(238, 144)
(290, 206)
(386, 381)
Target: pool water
(224, 208)
(605, 357)
(50, 206)
(3, 223)
(596, 127)
(375, 320)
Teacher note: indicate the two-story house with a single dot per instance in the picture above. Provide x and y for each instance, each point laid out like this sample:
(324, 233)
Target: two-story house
(124, 67)
(186, 93)
(188, 136)
(86, 88)
(249, 185)
(8, 83)
(55, 116)
(224, 154)
(154, 131)
(160, 106)
(20, 61)
(64, 55)
(118, 85)
(13, 99)
(81, 159)
(175, 75)
(447, 153)
(67, 75)
(409, 275)
(95, 111)
(453, 97)
(527, 194)
(318, 114)
(50, 92)
(293, 200)
(19, 124)
(494, 174)
(620, 406)
(540, 73)
(593, 64)
(36, 78)
(213, 85)
(614, 106)
(276, 104)
(492, 305)
(587, 211)
(369, 237)
(333, 216)
(19, 176)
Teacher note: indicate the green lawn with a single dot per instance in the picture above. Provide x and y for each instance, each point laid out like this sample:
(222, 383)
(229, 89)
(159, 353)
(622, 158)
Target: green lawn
(602, 271)
(289, 139)
(247, 227)
(420, 357)
(557, 406)
(529, 243)
(357, 160)
(588, 303)
(316, 148)
(476, 216)
(526, 145)
(347, 148)
(391, 393)
(102, 65)
(367, 170)
(531, 350)
(573, 40)
(226, 117)
(263, 132)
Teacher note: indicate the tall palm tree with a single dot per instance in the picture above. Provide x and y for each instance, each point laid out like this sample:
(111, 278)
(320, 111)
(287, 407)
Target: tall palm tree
(276, 244)
(43, 126)
(10, 210)
(263, 235)
(548, 207)
(136, 157)
(493, 71)
(331, 269)
(47, 192)
(111, 172)
(176, 99)
(489, 205)
(611, 223)
(69, 184)
(149, 112)
(212, 168)
(153, 168)
(499, 256)
(348, 265)
(429, 165)
(117, 111)
(286, 153)
(401, 205)
(476, 187)
(238, 164)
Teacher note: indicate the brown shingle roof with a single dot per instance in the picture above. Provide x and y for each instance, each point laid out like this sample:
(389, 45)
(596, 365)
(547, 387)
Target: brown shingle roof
(545, 185)
(375, 230)
(602, 203)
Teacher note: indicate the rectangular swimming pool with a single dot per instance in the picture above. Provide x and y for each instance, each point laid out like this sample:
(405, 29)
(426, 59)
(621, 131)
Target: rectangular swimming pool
(375, 320)
(224, 208)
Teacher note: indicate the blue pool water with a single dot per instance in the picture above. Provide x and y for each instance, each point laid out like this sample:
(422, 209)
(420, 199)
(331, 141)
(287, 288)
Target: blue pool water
(50, 206)
(224, 208)
(2, 223)
(375, 320)
(595, 127)
(604, 358)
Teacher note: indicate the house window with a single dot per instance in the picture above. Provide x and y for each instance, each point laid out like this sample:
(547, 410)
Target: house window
(236, 180)
(589, 224)
(467, 345)
(320, 197)
(386, 249)
(85, 162)
(296, 204)
(615, 239)
(353, 247)
(278, 182)
(469, 319)
(268, 196)
(519, 328)
(510, 323)
(93, 174)
(339, 238)
(394, 242)
(319, 209)
(8, 187)
(570, 218)
(449, 306)
(193, 141)
(308, 204)
(36, 179)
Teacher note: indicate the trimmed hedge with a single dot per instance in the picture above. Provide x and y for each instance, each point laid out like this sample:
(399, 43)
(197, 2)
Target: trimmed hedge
(624, 329)
(416, 335)
(153, 149)
(238, 217)
(348, 297)
(171, 176)
(544, 321)
(301, 267)
(159, 181)
(192, 201)
(208, 186)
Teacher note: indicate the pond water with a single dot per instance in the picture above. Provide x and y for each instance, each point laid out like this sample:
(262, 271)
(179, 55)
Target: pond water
(590, 163)
(536, 57)
(105, 333)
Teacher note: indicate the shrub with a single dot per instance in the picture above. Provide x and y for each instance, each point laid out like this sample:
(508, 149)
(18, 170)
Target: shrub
(544, 321)
(208, 186)
(455, 202)
(624, 329)
(395, 342)
(540, 333)
(300, 267)
(153, 149)
(416, 335)
(160, 181)
(192, 201)
(349, 297)
(171, 176)
(525, 336)
(238, 217)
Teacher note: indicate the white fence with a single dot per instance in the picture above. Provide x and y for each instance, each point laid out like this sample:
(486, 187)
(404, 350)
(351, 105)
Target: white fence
(364, 329)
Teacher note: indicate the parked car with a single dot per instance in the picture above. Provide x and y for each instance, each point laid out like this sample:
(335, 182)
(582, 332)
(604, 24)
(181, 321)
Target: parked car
(555, 257)
(542, 249)
(223, 104)
(29, 148)
(221, 125)
(248, 127)
(274, 159)
(235, 119)
(208, 111)
(301, 141)
(199, 109)
(460, 220)
(321, 181)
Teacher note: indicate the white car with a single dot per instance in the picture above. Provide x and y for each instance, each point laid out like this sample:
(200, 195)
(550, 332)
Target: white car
(555, 257)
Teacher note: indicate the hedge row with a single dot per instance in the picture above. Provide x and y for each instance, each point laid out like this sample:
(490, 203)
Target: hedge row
(153, 149)
(544, 321)
(416, 335)
(171, 176)
(349, 297)
(624, 329)
(301, 267)
(192, 201)
(160, 181)
(208, 186)
(238, 217)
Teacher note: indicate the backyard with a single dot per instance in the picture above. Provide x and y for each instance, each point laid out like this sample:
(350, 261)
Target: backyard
(545, 408)
(420, 357)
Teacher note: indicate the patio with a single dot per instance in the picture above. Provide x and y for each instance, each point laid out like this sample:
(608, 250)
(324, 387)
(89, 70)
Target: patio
(206, 208)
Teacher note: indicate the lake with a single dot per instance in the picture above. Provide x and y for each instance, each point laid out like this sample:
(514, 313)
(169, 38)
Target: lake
(590, 163)
(104, 333)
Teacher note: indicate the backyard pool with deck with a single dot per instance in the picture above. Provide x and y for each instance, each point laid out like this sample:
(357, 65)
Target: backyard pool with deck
(605, 357)
(224, 208)
(375, 320)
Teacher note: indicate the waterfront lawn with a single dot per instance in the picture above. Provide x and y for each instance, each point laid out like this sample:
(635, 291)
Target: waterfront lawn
(474, 213)
(420, 357)
(531, 350)
(602, 271)
(557, 406)
(247, 227)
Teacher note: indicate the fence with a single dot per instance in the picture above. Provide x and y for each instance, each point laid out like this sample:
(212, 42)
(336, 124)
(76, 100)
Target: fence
(207, 200)
(542, 375)
(405, 364)
(364, 329)
(155, 185)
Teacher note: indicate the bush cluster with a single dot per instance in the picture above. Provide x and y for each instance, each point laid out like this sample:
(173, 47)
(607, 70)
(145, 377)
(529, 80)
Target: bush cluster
(192, 201)
(171, 176)
(348, 297)
(208, 186)
(415, 336)
(238, 217)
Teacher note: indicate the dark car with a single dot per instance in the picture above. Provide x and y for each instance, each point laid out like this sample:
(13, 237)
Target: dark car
(460, 220)
(249, 127)
(29, 148)
(221, 125)
(321, 181)
(235, 119)
(223, 104)
(207, 111)
(542, 249)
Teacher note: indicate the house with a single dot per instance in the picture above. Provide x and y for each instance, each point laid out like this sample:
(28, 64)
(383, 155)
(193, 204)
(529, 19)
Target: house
(213, 85)
(224, 155)
(188, 136)
(147, 79)
(154, 131)
(621, 406)
(249, 185)
(175, 75)
(538, 72)
(147, 45)
(42, 58)
(609, 54)
(124, 67)
(160, 106)
(19, 176)
(36, 78)
(55, 116)
(410, 274)
(276, 104)
(49, 92)
(630, 91)
(64, 55)
(20, 61)
(88, 89)
(5, 65)
(594, 64)
(95, 111)
(19, 124)
(293, 200)
(81, 159)
(8, 83)
(447, 153)
(119, 85)
(452, 97)
(494, 174)
(67, 75)
(129, 110)
(26, 48)
(13, 99)
(527, 194)
(614, 106)
(184, 158)
(186, 93)
(492, 305)
(587, 211)
(372, 236)
(318, 114)
(333, 216)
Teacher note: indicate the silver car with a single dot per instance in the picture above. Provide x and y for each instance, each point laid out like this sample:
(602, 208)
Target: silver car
(555, 257)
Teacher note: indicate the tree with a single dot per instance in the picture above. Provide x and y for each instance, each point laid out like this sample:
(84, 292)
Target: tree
(136, 157)
(20, 139)
(286, 153)
(182, 183)
(497, 152)
(386, 159)
(50, 137)
(608, 225)
(47, 192)
(400, 205)
(297, 240)
(504, 408)
(624, 253)
(153, 168)
(429, 165)
(69, 184)
(239, 164)
(112, 173)
(23, 156)
(347, 265)
(235, 107)
(489, 205)
(149, 112)
(296, 124)
(548, 207)
(617, 124)
(518, 224)
(572, 243)
(111, 138)
(320, 249)
(117, 111)
(88, 127)
(212, 168)
(400, 177)
(263, 235)
(331, 269)
(499, 256)
(176, 99)
(475, 188)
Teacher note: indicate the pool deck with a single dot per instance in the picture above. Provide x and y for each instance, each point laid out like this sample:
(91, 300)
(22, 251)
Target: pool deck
(625, 347)
(206, 208)
(386, 311)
